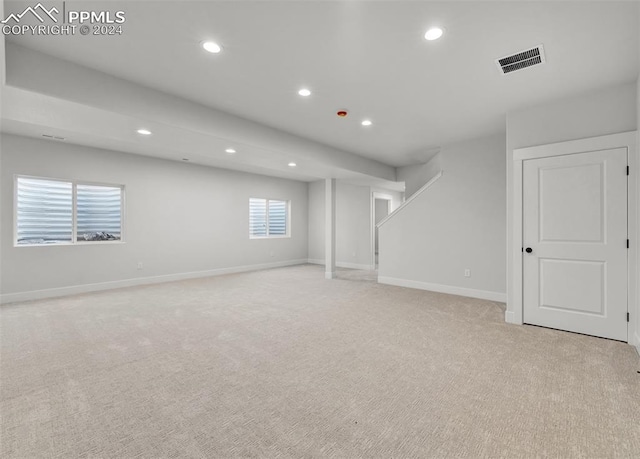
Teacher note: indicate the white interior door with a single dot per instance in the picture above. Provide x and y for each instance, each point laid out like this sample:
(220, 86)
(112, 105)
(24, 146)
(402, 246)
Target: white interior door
(575, 242)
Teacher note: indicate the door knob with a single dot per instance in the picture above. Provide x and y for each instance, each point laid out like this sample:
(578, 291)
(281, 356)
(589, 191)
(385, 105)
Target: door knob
(528, 250)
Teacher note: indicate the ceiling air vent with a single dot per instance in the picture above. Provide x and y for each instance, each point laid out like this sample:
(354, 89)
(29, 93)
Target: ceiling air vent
(521, 60)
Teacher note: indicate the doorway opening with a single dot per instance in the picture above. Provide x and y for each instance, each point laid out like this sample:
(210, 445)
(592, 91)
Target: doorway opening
(381, 209)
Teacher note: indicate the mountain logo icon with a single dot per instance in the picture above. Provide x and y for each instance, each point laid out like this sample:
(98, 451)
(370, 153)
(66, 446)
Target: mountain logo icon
(43, 12)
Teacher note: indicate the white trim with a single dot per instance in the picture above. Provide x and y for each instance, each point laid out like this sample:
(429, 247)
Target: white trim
(69, 244)
(514, 313)
(74, 210)
(637, 343)
(372, 214)
(340, 264)
(287, 220)
(87, 288)
(604, 142)
(74, 213)
(413, 196)
(449, 289)
(509, 318)
(279, 236)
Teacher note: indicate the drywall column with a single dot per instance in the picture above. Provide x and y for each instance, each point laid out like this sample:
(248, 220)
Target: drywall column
(637, 244)
(330, 228)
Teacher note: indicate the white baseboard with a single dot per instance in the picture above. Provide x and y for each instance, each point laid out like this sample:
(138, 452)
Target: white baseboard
(637, 343)
(473, 293)
(342, 264)
(87, 288)
(509, 317)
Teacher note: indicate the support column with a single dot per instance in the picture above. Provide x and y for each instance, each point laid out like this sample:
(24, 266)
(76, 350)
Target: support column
(330, 228)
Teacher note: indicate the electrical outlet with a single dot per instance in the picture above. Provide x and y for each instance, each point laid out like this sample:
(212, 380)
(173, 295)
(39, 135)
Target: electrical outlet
(353, 254)
(139, 265)
(467, 273)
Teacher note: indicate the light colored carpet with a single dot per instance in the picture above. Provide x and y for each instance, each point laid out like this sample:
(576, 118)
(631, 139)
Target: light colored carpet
(357, 275)
(283, 363)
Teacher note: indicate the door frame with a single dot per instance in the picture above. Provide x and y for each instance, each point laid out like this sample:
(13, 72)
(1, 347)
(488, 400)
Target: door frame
(376, 195)
(515, 311)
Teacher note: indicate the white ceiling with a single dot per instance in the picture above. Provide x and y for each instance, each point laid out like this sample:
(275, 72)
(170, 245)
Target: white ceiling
(368, 57)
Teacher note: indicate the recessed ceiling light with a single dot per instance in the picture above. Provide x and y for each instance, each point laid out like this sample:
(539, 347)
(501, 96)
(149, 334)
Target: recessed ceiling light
(144, 131)
(230, 151)
(211, 47)
(304, 92)
(433, 33)
(292, 164)
(366, 123)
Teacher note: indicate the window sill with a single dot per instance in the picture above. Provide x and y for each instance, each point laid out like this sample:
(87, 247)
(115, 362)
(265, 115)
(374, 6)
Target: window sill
(270, 237)
(70, 244)
(97, 242)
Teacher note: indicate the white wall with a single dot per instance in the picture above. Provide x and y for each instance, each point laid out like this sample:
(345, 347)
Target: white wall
(180, 218)
(638, 200)
(416, 176)
(316, 220)
(353, 233)
(396, 197)
(354, 225)
(381, 210)
(606, 111)
(382, 207)
(458, 223)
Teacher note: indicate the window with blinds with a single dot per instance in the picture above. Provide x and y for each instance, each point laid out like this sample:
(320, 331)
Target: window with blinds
(45, 212)
(99, 213)
(268, 218)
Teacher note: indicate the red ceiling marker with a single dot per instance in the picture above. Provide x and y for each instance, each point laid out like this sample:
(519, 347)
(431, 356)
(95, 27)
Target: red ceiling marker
(342, 113)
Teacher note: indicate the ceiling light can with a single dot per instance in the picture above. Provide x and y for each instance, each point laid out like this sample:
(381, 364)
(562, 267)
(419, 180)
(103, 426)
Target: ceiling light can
(211, 47)
(433, 33)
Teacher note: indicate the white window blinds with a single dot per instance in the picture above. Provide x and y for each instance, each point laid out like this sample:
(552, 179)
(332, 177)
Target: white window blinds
(257, 217)
(268, 218)
(278, 218)
(44, 211)
(99, 212)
